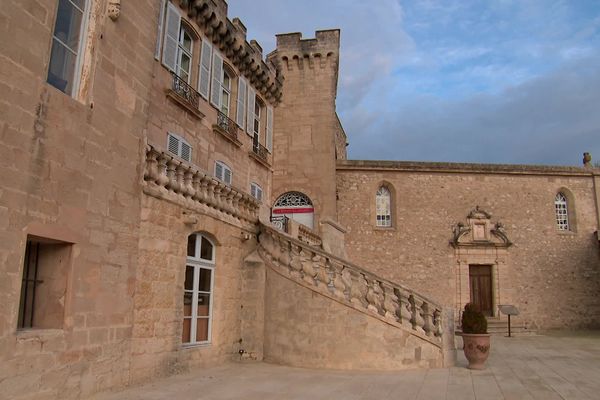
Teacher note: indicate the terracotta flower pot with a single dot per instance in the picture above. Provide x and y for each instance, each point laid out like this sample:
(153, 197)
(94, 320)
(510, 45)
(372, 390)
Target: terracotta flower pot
(477, 349)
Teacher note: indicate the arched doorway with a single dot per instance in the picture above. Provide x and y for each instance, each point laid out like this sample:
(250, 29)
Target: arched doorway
(296, 206)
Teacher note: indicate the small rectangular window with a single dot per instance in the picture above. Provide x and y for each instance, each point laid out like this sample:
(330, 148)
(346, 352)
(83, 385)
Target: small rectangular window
(179, 147)
(256, 191)
(44, 284)
(67, 44)
(223, 172)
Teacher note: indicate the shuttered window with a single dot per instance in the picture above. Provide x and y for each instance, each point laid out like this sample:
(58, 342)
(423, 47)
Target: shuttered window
(217, 80)
(269, 138)
(223, 172)
(251, 105)
(171, 42)
(241, 103)
(179, 147)
(161, 17)
(256, 191)
(204, 73)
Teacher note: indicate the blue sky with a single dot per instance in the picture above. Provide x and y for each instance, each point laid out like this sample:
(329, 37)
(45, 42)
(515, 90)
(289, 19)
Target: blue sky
(504, 81)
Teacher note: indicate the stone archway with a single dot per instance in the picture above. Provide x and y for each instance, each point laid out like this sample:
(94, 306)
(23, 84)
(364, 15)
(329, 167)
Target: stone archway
(296, 206)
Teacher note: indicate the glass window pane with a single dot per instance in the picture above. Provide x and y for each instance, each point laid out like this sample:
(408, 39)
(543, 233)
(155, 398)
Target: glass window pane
(186, 334)
(187, 304)
(191, 246)
(203, 304)
(68, 24)
(79, 3)
(189, 278)
(204, 280)
(206, 249)
(202, 330)
(62, 68)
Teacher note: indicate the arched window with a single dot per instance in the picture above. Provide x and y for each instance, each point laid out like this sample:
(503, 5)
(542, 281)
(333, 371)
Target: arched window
(383, 207)
(296, 206)
(562, 212)
(198, 290)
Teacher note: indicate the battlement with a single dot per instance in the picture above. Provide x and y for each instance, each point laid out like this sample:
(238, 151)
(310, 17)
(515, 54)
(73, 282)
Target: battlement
(325, 41)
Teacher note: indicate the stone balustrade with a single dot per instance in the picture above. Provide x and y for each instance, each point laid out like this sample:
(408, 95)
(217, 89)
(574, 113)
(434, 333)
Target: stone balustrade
(351, 285)
(166, 174)
(309, 236)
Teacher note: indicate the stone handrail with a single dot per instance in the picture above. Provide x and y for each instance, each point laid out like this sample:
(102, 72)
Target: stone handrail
(307, 235)
(351, 285)
(168, 174)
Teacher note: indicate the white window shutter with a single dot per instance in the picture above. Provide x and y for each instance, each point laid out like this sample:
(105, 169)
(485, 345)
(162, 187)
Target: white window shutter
(161, 18)
(269, 137)
(259, 194)
(219, 171)
(253, 190)
(173, 24)
(173, 144)
(186, 152)
(227, 176)
(241, 103)
(204, 73)
(217, 76)
(251, 104)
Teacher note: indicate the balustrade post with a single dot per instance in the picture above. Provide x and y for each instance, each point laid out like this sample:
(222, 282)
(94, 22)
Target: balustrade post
(339, 287)
(390, 302)
(179, 175)
(163, 176)
(373, 296)
(437, 323)
(151, 170)
(172, 175)
(189, 188)
(427, 318)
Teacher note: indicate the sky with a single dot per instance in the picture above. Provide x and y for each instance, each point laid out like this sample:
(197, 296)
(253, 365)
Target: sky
(497, 81)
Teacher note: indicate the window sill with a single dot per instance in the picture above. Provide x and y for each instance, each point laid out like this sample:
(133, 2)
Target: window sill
(226, 135)
(566, 233)
(384, 228)
(38, 333)
(195, 345)
(259, 160)
(183, 103)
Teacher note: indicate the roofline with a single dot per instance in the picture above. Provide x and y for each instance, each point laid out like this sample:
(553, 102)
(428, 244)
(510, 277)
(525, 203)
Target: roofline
(470, 168)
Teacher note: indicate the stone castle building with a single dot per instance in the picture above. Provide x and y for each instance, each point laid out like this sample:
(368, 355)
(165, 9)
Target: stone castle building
(171, 198)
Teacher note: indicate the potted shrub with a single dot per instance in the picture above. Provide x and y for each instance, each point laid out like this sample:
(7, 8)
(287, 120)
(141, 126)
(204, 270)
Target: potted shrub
(476, 340)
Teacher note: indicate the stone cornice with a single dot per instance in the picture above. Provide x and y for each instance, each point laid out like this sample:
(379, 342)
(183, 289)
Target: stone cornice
(467, 168)
(230, 38)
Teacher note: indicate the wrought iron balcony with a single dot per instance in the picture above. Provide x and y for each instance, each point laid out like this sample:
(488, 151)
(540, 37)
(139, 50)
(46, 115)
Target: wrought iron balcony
(280, 222)
(227, 127)
(185, 95)
(260, 152)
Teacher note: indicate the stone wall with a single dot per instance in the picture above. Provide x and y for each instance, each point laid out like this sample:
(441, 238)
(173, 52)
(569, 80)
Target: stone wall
(551, 276)
(158, 314)
(69, 171)
(306, 329)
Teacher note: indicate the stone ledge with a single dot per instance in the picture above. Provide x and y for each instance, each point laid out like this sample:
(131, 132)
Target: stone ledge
(223, 133)
(177, 99)
(259, 160)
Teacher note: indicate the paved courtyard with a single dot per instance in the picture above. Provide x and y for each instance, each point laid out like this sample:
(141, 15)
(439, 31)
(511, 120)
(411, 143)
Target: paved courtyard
(548, 367)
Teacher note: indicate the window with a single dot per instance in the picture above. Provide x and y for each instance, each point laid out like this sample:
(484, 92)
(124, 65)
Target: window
(198, 290)
(184, 54)
(562, 212)
(256, 191)
(44, 284)
(383, 206)
(223, 172)
(67, 46)
(225, 92)
(241, 103)
(179, 147)
(204, 69)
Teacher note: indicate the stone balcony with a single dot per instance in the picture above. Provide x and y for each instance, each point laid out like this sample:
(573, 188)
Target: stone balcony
(170, 178)
(185, 95)
(260, 154)
(227, 128)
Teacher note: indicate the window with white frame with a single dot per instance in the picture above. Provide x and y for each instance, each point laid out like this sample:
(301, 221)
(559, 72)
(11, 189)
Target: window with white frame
(64, 70)
(184, 54)
(225, 92)
(179, 147)
(562, 212)
(256, 191)
(383, 205)
(198, 290)
(223, 172)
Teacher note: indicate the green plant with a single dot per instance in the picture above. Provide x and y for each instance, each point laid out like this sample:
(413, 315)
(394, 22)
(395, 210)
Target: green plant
(473, 320)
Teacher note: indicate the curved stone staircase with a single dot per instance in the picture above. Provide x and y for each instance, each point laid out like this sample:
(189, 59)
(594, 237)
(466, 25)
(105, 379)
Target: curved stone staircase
(416, 317)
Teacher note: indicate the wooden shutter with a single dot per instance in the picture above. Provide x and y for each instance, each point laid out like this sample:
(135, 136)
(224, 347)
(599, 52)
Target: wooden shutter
(217, 76)
(241, 103)
(161, 18)
(173, 24)
(219, 171)
(251, 104)
(204, 73)
(269, 137)
(227, 175)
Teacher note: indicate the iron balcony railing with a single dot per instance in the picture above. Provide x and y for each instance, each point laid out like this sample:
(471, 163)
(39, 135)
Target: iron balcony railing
(280, 222)
(185, 91)
(227, 125)
(260, 151)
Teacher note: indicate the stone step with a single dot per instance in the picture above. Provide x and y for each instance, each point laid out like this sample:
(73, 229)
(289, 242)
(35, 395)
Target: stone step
(500, 327)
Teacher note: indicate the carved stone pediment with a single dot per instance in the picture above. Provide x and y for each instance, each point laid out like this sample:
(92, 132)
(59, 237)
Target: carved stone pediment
(479, 231)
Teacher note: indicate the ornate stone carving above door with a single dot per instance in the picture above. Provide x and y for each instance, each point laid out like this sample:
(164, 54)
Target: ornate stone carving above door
(479, 231)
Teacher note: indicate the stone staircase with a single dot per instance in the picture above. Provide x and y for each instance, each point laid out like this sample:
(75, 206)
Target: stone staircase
(499, 327)
(354, 287)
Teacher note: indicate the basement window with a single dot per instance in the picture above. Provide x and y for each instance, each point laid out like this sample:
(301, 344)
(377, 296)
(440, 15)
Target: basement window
(44, 284)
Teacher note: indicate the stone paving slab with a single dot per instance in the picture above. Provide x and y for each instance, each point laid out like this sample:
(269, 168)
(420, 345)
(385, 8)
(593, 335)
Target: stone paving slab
(556, 365)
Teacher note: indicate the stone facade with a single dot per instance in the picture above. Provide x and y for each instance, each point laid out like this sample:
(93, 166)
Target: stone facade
(95, 199)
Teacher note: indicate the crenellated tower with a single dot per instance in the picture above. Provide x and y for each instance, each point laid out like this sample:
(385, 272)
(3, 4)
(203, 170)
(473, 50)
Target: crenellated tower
(306, 127)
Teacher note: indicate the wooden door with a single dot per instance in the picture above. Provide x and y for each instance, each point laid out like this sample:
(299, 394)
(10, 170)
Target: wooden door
(480, 280)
